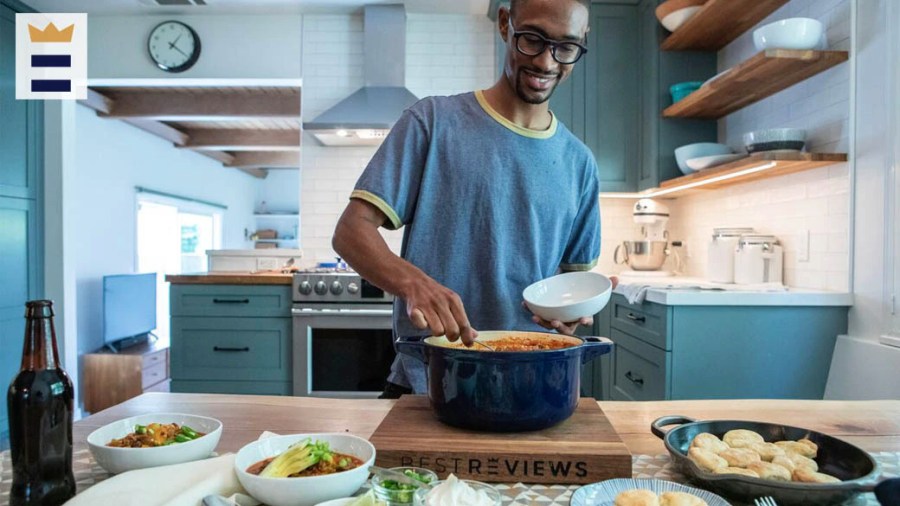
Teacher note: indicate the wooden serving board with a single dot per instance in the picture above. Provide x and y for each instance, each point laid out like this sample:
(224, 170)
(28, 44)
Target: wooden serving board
(582, 449)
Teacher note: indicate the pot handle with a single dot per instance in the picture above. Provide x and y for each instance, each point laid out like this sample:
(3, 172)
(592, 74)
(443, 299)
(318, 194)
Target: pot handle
(657, 426)
(886, 491)
(593, 347)
(414, 346)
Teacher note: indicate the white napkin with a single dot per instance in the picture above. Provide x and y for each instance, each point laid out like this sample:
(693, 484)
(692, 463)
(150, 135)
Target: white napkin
(636, 291)
(176, 485)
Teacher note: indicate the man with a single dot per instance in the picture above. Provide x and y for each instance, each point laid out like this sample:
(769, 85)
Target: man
(494, 193)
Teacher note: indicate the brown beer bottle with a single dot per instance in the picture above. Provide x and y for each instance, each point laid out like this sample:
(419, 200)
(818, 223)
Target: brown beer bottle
(40, 401)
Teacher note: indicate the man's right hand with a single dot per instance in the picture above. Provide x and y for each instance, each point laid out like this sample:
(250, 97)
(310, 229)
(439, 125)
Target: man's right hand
(433, 306)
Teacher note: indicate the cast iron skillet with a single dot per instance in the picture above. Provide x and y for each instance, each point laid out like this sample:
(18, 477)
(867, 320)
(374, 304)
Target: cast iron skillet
(857, 470)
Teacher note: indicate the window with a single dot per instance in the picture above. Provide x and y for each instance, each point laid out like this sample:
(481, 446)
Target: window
(173, 235)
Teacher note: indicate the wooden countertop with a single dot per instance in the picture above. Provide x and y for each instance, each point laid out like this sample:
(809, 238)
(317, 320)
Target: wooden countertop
(232, 278)
(871, 425)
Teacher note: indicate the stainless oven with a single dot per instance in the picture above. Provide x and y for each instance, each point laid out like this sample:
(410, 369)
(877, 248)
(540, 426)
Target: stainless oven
(342, 337)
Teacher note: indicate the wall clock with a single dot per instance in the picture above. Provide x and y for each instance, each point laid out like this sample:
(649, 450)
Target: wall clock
(174, 46)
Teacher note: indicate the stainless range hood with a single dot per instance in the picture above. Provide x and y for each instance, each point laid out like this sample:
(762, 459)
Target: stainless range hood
(365, 117)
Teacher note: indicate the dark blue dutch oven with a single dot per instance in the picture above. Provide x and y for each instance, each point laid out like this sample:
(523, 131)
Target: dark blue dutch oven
(504, 391)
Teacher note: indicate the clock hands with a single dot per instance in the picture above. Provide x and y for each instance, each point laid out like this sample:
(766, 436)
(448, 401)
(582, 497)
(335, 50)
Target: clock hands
(173, 46)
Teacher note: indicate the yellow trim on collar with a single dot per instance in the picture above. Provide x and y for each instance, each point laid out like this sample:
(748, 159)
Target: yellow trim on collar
(382, 206)
(527, 132)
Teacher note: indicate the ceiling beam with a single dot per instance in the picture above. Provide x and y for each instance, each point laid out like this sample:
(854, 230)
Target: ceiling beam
(220, 156)
(242, 140)
(212, 106)
(97, 101)
(159, 129)
(266, 159)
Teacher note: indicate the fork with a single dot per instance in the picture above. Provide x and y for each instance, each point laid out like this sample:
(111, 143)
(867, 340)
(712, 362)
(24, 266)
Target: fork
(765, 501)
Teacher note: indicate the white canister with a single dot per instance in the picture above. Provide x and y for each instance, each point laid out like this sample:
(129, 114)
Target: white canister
(720, 257)
(758, 259)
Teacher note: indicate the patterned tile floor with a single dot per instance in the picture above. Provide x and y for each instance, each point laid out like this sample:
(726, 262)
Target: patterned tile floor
(88, 473)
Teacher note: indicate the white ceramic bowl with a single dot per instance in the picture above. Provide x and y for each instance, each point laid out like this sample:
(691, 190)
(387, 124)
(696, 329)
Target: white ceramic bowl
(569, 296)
(698, 150)
(119, 460)
(674, 20)
(792, 33)
(304, 491)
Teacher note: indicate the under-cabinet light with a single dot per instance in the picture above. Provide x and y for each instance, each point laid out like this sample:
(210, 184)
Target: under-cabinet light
(687, 186)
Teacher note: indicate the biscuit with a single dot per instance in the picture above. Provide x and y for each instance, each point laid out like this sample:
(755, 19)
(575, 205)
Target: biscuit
(770, 471)
(706, 460)
(737, 470)
(636, 497)
(709, 442)
(805, 449)
(808, 476)
(739, 457)
(812, 446)
(767, 451)
(680, 499)
(798, 461)
(741, 438)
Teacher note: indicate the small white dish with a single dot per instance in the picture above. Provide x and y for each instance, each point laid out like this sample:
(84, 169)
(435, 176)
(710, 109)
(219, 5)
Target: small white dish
(792, 33)
(307, 490)
(707, 162)
(119, 460)
(605, 492)
(569, 296)
(673, 21)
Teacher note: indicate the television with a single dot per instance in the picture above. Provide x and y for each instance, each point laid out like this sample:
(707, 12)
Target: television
(129, 308)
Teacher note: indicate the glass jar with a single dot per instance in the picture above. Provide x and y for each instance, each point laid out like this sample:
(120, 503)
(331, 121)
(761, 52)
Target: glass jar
(399, 493)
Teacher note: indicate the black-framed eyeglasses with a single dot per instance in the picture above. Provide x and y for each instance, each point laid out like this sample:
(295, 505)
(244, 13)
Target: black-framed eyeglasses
(533, 44)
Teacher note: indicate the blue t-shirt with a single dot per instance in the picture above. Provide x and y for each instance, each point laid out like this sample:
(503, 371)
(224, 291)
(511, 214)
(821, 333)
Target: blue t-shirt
(488, 208)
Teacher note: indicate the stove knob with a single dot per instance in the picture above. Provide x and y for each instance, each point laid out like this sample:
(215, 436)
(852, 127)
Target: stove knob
(352, 288)
(305, 288)
(321, 288)
(337, 288)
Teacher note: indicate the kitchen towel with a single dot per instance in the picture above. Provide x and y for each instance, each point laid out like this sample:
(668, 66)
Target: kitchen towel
(635, 291)
(176, 485)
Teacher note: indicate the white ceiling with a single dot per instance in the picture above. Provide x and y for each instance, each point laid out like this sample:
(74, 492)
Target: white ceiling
(109, 7)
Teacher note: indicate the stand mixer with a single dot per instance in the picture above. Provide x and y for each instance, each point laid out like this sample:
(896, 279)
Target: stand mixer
(645, 257)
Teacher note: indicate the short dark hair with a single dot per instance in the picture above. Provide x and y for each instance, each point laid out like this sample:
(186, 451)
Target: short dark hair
(514, 3)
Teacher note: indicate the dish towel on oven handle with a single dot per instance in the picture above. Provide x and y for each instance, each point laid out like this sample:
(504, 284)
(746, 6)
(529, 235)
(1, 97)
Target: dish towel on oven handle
(175, 485)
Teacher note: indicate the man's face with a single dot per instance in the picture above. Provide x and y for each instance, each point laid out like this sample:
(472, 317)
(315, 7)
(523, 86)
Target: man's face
(535, 77)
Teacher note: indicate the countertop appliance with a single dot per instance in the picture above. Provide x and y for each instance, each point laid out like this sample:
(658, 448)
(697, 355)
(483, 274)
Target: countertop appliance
(758, 259)
(720, 258)
(646, 256)
(342, 334)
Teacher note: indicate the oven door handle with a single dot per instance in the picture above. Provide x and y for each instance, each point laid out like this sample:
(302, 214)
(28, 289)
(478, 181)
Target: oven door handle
(341, 312)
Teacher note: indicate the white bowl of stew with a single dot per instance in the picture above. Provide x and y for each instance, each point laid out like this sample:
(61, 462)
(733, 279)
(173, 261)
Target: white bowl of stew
(305, 489)
(118, 459)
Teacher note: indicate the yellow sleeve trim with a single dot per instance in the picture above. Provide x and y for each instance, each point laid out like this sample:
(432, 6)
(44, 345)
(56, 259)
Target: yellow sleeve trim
(579, 267)
(382, 206)
(527, 132)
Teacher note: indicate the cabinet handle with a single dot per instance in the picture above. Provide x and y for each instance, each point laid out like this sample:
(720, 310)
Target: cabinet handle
(637, 380)
(231, 301)
(634, 318)
(226, 348)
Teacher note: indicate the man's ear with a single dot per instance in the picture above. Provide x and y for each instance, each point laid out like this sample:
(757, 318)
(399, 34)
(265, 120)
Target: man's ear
(503, 22)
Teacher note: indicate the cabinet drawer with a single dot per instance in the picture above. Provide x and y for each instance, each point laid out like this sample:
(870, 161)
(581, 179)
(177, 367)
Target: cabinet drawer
(153, 359)
(647, 322)
(162, 386)
(233, 387)
(247, 349)
(153, 375)
(231, 300)
(640, 370)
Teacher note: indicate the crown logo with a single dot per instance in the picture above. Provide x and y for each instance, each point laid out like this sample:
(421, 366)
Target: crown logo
(50, 33)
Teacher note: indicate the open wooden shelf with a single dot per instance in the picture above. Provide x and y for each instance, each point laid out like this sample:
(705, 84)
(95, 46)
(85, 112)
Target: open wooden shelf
(765, 74)
(719, 22)
(785, 163)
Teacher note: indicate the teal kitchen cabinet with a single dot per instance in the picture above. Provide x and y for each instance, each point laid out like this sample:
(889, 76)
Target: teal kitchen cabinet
(21, 203)
(657, 71)
(231, 339)
(721, 352)
(596, 376)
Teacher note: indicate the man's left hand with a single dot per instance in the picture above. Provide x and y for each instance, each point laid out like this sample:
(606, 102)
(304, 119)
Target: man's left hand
(567, 328)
